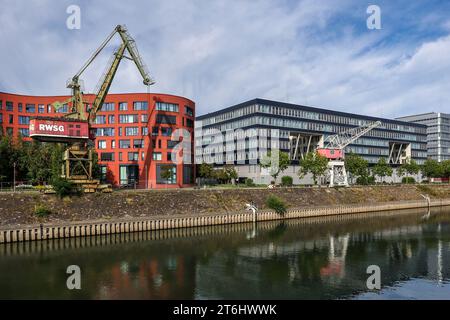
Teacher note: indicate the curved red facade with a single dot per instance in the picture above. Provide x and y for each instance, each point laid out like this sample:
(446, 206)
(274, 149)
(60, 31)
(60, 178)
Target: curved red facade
(138, 135)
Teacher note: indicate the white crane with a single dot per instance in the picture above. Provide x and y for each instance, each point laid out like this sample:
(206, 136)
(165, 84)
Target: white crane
(334, 151)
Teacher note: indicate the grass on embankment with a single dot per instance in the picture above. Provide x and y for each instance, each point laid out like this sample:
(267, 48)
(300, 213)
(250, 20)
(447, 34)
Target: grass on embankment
(19, 208)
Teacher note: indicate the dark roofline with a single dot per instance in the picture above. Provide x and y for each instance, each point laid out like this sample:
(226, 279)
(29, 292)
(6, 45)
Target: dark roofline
(302, 107)
(417, 115)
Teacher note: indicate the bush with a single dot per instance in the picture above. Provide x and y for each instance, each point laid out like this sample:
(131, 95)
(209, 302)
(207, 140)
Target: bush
(408, 180)
(276, 204)
(64, 187)
(365, 180)
(41, 210)
(287, 181)
(249, 182)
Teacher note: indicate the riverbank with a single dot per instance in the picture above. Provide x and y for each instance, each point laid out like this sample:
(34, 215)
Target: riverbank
(17, 209)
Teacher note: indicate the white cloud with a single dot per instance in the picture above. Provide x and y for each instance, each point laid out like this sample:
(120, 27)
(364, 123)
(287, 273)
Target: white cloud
(219, 53)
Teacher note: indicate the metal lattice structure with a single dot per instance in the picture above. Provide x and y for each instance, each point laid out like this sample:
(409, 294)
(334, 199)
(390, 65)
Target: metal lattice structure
(343, 139)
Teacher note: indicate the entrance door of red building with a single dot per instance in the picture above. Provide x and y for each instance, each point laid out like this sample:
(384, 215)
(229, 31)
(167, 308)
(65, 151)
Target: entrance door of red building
(129, 175)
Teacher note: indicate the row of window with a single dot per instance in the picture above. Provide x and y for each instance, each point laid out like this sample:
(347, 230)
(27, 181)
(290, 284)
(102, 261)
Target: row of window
(123, 118)
(303, 114)
(110, 156)
(252, 157)
(133, 131)
(129, 131)
(306, 125)
(29, 107)
(107, 106)
(136, 144)
(134, 156)
(130, 174)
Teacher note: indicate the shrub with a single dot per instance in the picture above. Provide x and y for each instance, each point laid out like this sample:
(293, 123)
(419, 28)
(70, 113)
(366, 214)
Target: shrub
(249, 182)
(276, 204)
(64, 187)
(365, 180)
(287, 181)
(408, 180)
(41, 210)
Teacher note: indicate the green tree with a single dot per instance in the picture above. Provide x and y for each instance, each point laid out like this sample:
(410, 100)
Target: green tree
(313, 163)
(357, 166)
(226, 174)
(5, 156)
(446, 168)
(231, 172)
(276, 161)
(409, 167)
(382, 169)
(221, 175)
(206, 170)
(432, 169)
(96, 171)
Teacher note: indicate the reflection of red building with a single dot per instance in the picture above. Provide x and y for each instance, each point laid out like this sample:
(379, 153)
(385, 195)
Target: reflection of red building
(134, 134)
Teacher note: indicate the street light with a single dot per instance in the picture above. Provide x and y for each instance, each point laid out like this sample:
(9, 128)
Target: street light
(14, 177)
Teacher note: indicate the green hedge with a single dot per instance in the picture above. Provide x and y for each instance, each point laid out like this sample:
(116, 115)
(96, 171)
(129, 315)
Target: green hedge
(287, 181)
(408, 180)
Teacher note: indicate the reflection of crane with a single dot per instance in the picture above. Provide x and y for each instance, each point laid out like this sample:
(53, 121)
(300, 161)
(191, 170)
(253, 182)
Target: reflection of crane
(334, 151)
(252, 207)
(74, 127)
(336, 256)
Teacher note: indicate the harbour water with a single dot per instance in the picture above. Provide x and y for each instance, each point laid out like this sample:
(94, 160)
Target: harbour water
(317, 258)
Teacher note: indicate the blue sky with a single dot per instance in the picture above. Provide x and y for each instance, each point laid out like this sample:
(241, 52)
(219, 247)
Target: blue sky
(220, 53)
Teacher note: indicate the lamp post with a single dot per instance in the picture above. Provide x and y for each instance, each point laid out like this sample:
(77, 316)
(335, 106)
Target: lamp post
(146, 176)
(14, 177)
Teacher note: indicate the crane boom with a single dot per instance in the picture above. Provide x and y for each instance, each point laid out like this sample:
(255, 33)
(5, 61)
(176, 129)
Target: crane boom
(343, 139)
(106, 83)
(128, 43)
(135, 56)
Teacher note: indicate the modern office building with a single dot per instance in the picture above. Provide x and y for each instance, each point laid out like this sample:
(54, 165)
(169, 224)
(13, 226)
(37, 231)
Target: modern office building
(136, 134)
(242, 134)
(438, 133)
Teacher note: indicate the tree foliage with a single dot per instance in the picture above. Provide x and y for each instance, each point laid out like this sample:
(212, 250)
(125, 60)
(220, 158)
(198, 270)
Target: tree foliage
(313, 163)
(226, 174)
(410, 167)
(382, 169)
(276, 161)
(446, 168)
(206, 170)
(432, 169)
(37, 162)
(357, 166)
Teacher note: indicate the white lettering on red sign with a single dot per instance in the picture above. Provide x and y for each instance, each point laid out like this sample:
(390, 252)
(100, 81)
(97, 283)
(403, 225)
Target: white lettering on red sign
(51, 127)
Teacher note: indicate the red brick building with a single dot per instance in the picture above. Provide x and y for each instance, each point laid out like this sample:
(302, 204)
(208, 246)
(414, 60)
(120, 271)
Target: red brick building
(138, 134)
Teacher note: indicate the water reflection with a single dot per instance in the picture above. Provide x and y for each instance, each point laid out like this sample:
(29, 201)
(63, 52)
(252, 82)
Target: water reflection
(294, 259)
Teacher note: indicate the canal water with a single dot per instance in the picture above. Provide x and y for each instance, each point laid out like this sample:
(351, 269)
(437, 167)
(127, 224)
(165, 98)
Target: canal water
(316, 258)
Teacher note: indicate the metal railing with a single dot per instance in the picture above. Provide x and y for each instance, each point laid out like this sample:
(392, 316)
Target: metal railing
(10, 186)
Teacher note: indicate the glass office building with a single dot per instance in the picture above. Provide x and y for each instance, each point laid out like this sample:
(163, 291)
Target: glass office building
(438, 133)
(241, 134)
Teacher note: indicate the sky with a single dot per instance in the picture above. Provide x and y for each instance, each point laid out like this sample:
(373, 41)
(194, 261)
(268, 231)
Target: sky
(220, 53)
